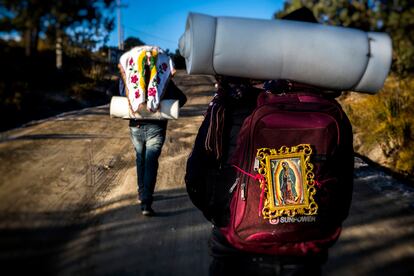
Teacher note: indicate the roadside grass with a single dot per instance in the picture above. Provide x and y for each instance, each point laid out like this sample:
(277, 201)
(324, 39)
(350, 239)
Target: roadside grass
(385, 122)
(32, 88)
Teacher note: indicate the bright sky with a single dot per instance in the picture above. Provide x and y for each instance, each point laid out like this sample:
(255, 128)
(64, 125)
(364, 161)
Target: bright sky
(162, 22)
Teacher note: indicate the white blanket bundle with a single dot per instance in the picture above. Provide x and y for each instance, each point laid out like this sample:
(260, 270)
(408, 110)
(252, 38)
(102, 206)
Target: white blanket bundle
(146, 71)
(160, 68)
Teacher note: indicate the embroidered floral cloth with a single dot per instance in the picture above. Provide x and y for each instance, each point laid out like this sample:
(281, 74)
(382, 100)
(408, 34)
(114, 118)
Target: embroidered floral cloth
(134, 65)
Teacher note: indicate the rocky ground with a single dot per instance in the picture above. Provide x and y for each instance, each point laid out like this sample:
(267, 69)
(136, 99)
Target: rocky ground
(68, 203)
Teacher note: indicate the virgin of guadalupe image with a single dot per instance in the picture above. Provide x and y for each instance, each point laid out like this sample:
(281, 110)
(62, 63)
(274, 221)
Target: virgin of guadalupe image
(289, 180)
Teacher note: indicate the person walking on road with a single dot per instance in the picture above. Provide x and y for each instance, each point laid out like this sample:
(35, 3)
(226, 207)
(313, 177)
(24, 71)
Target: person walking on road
(148, 135)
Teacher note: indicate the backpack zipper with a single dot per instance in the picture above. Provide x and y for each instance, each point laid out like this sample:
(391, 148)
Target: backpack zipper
(242, 188)
(234, 185)
(243, 191)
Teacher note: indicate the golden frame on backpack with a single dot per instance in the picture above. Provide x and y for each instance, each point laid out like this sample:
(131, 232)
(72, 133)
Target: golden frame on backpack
(290, 184)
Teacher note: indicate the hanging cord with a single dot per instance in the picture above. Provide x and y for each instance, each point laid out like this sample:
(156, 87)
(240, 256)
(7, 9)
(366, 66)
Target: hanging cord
(262, 182)
(214, 139)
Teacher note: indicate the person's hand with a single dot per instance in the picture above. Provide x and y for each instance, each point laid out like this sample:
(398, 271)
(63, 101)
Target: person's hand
(151, 110)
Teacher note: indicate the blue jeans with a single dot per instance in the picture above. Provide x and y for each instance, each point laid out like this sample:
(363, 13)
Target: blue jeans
(148, 140)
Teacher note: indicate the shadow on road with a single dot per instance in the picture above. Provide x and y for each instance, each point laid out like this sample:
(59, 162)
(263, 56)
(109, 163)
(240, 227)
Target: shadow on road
(117, 241)
(193, 110)
(378, 236)
(62, 136)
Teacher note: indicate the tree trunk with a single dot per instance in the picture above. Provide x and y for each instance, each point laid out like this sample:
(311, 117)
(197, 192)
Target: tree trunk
(27, 43)
(59, 49)
(30, 38)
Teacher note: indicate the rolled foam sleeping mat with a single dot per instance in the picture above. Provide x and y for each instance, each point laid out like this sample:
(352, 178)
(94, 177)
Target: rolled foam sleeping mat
(334, 58)
(119, 107)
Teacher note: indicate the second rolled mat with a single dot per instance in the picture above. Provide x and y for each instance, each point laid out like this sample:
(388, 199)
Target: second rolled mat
(120, 108)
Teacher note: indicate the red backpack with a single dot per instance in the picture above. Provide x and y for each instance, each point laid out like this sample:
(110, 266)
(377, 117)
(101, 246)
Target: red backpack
(295, 162)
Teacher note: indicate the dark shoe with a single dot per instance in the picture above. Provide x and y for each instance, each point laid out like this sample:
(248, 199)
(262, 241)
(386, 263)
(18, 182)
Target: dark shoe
(147, 211)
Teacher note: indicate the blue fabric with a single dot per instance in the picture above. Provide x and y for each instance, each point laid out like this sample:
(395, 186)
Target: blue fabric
(148, 140)
(121, 87)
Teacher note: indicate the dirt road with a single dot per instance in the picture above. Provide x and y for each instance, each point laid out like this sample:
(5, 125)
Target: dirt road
(68, 203)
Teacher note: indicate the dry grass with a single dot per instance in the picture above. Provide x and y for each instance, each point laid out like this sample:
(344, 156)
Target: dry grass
(384, 124)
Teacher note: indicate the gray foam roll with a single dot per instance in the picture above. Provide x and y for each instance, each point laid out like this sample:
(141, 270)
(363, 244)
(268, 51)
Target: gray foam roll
(334, 58)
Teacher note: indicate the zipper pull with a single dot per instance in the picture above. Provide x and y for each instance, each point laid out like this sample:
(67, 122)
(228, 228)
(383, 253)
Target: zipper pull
(256, 165)
(243, 191)
(234, 185)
